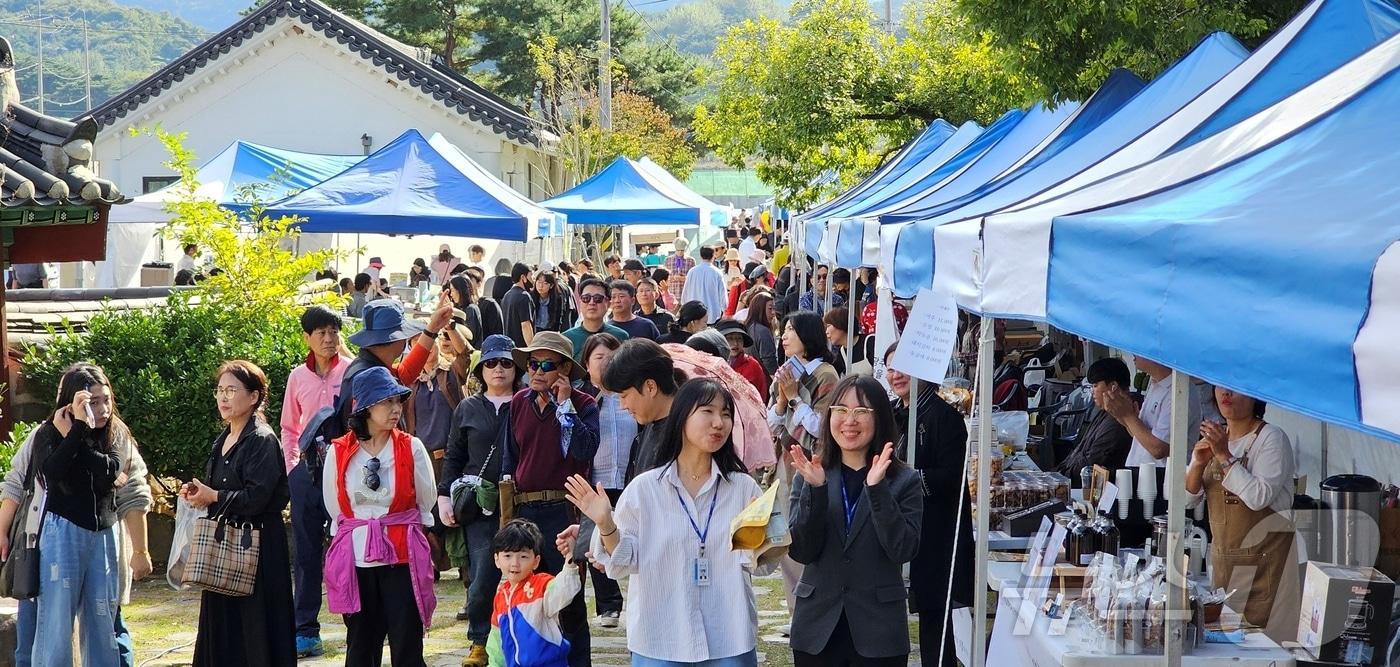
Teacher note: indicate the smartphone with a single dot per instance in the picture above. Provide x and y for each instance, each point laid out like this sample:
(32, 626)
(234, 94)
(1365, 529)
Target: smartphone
(796, 368)
(87, 408)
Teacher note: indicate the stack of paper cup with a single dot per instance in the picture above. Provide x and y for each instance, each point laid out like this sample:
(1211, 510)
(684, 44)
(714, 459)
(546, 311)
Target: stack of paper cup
(1147, 486)
(1124, 479)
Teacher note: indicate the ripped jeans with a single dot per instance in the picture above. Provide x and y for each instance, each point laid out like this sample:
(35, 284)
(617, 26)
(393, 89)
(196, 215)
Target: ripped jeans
(78, 579)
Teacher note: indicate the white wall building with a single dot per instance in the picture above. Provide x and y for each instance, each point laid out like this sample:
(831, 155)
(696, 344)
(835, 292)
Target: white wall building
(295, 74)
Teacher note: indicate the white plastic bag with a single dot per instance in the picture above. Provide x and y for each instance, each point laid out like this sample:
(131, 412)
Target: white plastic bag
(185, 514)
(1013, 427)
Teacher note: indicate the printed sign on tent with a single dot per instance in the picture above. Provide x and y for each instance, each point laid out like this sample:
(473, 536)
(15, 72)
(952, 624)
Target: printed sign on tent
(930, 336)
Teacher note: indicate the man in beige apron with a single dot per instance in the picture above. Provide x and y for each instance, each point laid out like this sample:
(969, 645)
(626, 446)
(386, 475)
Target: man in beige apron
(1253, 553)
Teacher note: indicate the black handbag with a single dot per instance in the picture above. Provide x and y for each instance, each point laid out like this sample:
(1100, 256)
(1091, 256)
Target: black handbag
(467, 500)
(19, 575)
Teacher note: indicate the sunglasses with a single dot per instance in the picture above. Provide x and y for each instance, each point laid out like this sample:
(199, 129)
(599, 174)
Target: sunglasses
(544, 365)
(495, 363)
(593, 298)
(372, 474)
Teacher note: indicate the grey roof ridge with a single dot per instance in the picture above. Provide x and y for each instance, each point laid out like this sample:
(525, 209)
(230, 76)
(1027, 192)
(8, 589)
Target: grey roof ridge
(454, 90)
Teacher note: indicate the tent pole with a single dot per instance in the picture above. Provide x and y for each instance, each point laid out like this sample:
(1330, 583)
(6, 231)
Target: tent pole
(830, 283)
(1177, 613)
(984, 482)
(850, 333)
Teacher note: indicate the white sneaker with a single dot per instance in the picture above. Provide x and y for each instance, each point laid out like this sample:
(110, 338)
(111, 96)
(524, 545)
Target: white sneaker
(785, 630)
(608, 619)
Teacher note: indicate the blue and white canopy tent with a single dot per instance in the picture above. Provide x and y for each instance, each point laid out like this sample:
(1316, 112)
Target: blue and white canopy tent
(944, 162)
(907, 157)
(1275, 275)
(243, 167)
(628, 193)
(718, 214)
(956, 227)
(413, 186)
(1322, 37)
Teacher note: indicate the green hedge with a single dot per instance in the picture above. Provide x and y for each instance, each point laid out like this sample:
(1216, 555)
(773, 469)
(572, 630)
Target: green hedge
(161, 363)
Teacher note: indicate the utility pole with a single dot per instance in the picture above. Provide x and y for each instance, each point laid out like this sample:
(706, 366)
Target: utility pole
(889, 16)
(605, 72)
(41, 70)
(87, 66)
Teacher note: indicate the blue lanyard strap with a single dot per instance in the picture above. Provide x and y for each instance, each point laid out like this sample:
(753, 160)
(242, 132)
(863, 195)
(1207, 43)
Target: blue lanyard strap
(702, 534)
(849, 506)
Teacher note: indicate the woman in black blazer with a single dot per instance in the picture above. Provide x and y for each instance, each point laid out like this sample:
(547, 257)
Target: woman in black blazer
(853, 535)
(940, 444)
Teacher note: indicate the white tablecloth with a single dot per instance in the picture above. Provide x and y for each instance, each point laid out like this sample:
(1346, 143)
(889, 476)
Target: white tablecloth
(1036, 645)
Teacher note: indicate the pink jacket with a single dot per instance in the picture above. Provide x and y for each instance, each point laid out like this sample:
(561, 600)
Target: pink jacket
(343, 589)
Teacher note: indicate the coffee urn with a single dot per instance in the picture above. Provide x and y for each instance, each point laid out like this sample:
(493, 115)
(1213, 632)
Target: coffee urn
(1351, 519)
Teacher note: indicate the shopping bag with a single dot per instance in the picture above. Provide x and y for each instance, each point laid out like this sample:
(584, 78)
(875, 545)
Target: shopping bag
(762, 527)
(185, 514)
(223, 556)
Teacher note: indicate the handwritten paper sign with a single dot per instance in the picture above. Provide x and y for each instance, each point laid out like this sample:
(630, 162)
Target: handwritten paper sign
(929, 338)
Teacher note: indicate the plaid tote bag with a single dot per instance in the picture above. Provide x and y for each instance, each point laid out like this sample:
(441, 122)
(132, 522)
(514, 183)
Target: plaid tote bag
(223, 556)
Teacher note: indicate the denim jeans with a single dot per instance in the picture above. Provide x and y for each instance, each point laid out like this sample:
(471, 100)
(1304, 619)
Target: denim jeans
(77, 580)
(24, 636)
(481, 593)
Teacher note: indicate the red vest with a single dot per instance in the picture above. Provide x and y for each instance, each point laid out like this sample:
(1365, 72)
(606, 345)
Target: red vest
(405, 492)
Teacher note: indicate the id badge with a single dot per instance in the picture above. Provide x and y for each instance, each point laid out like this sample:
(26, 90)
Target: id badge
(702, 571)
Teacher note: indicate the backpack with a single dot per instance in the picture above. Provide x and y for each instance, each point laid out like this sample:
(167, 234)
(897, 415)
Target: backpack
(492, 322)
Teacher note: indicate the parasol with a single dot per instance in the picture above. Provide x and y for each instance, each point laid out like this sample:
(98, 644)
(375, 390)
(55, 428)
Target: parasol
(751, 435)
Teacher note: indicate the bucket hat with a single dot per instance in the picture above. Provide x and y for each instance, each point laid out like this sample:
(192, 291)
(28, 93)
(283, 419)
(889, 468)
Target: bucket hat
(548, 341)
(728, 326)
(374, 385)
(384, 323)
(496, 346)
(376, 262)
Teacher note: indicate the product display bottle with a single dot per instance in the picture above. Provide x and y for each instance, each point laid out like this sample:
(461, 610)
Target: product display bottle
(1106, 534)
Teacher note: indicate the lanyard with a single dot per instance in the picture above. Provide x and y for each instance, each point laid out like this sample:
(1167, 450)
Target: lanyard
(702, 534)
(849, 506)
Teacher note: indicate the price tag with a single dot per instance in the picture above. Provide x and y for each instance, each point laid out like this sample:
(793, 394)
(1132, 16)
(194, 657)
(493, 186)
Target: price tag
(1110, 496)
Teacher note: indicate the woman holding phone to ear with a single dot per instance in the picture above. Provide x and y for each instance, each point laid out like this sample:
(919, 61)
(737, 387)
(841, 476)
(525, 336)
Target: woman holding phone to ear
(856, 512)
(78, 559)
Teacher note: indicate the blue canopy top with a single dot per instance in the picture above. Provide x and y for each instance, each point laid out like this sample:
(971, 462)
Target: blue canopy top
(1260, 275)
(908, 157)
(1335, 37)
(1013, 267)
(1212, 58)
(625, 193)
(269, 173)
(953, 155)
(411, 187)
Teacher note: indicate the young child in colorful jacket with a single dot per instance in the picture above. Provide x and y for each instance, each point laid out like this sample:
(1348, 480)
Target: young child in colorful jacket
(525, 617)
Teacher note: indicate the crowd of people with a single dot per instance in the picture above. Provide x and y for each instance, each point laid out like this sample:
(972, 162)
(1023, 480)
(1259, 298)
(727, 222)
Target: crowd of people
(537, 430)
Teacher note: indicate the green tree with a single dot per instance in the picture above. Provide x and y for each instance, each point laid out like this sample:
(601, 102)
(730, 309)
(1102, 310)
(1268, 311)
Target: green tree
(833, 93)
(261, 276)
(126, 44)
(640, 127)
(1069, 47)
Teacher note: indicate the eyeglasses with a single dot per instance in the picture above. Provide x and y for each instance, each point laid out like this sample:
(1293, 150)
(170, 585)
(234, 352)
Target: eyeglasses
(543, 365)
(372, 474)
(230, 392)
(494, 363)
(593, 298)
(845, 412)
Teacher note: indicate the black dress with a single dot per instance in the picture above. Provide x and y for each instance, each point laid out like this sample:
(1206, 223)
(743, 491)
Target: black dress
(258, 629)
(940, 446)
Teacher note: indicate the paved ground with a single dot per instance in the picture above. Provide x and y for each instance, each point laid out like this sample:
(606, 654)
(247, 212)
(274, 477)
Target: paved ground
(163, 621)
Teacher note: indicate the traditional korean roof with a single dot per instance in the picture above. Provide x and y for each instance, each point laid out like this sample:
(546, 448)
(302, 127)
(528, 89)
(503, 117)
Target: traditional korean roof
(44, 160)
(431, 76)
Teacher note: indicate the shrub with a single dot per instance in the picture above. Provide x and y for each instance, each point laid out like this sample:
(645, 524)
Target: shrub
(161, 363)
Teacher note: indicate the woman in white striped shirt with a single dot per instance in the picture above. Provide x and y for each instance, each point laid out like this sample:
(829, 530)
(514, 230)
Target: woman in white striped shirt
(670, 535)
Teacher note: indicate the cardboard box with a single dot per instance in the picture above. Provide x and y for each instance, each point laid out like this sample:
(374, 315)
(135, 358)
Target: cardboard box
(1345, 613)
